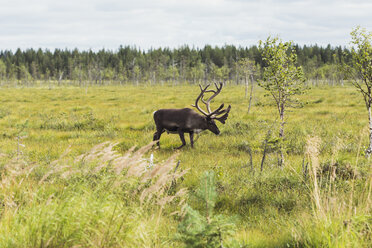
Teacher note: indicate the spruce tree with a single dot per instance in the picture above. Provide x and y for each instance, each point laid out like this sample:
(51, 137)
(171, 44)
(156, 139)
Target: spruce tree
(204, 229)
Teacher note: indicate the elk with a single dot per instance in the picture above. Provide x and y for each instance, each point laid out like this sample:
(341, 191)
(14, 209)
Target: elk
(186, 120)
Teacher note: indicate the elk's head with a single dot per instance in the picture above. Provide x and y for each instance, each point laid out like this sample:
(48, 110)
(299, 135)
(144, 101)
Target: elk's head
(211, 116)
(211, 125)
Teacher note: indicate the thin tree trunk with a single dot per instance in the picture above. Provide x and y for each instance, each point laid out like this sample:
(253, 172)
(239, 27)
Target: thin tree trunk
(281, 137)
(246, 86)
(369, 150)
(237, 77)
(60, 78)
(250, 95)
(265, 146)
(264, 155)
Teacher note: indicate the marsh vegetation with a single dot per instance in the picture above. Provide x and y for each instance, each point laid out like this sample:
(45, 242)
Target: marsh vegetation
(59, 189)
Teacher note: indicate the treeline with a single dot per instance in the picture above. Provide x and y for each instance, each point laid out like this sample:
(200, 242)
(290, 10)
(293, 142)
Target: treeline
(184, 64)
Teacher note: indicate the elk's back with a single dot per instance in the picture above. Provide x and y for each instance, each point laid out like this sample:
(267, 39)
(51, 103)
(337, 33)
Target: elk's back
(173, 119)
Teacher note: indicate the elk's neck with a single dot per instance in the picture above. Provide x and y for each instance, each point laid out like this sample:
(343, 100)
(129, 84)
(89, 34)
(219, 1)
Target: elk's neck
(199, 124)
(204, 126)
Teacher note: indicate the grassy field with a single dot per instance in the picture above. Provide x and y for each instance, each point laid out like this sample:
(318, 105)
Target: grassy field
(51, 196)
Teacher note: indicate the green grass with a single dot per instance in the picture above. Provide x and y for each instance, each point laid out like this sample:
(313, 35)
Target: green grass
(274, 208)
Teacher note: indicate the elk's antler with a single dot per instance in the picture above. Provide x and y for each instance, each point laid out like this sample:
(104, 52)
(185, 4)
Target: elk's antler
(218, 111)
(215, 93)
(223, 118)
(199, 97)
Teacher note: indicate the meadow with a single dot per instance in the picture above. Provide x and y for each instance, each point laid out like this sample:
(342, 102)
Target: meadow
(59, 189)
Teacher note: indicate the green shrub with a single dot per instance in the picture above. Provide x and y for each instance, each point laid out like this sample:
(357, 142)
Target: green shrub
(204, 228)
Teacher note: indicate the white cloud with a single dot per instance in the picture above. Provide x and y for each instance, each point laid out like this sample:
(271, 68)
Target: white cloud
(100, 24)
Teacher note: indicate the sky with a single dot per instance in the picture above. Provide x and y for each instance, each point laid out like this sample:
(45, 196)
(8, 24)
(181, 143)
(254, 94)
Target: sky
(146, 24)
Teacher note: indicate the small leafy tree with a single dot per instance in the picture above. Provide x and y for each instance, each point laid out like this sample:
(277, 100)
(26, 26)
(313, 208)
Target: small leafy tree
(282, 79)
(362, 64)
(204, 229)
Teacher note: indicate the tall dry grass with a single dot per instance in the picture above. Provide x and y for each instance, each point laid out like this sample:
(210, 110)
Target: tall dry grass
(341, 215)
(99, 199)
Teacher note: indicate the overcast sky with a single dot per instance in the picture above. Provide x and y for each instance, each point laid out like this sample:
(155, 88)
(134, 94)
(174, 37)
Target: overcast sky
(97, 24)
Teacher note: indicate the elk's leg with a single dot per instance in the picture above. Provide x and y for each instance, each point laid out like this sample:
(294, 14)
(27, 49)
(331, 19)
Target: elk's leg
(182, 137)
(192, 139)
(157, 135)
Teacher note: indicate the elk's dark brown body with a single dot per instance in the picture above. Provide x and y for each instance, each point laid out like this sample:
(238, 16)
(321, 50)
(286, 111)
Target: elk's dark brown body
(186, 120)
